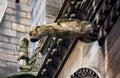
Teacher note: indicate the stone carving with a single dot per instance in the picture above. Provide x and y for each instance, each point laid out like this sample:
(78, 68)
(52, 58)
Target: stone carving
(64, 28)
(85, 73)
(23, 55)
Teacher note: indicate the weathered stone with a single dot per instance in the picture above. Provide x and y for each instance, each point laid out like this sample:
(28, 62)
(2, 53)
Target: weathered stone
(20, 34)
(19, 13)
(11, 68)
(7, 17)
(54, 3)
(25, 21)
(30, 1)
(7, 57)
(14, 40)
(9, 32)
(6, 24)
(28, 15)
(25, 7)
(50, 19)
(52, 11)
(7, 45)
(4, 38)
(9, 11)
(3, 63)
(27, 29)
(24, 1)
(11, 4)
(0, 37)
(2, 72)
(22, 7)
(7, 51)
(18, 27)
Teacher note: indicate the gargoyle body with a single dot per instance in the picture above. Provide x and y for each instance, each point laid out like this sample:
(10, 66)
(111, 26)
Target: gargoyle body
(66, 29)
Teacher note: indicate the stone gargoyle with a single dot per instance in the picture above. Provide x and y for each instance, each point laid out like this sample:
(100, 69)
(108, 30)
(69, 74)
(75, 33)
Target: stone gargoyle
(64, 28)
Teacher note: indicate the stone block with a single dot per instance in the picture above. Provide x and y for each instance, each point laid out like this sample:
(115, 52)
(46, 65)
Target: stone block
(22, 7)
(11, 68)
(9, 58)
(50, 19)
(25, 8)
(20, 34)
(11, 4)
(3, 63)
(6, 24)
(7, 17)
(7, 46)
(20, 13)
(7, 51)
(17, 19)
(24, 1)
(27, 29)
(53, 3)
(14, 40)
(4, 38)
(3, 72)
(9, 32)
(28, 15)
(9, 11)
(12, 18)
(18, 27)
(25, 21)
(52, 11)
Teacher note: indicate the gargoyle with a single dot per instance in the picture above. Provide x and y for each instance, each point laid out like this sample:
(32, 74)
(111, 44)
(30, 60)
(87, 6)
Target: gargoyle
(66, 29)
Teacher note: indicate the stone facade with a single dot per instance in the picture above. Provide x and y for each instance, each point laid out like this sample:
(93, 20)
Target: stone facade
(52, 9)
(84, 56)
(15, 24)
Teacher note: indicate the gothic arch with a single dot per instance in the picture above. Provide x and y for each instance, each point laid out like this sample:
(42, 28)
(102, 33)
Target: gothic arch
(87, 72)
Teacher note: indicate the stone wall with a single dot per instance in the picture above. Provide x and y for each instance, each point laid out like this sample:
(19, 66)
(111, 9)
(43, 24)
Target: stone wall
(52, 9)
(84, 56)
(15, 24)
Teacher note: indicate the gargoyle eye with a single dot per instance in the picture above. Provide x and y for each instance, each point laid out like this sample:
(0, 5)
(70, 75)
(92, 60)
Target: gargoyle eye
(30, 33)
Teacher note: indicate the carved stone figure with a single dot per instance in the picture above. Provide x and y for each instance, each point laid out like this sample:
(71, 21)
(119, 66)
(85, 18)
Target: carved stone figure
(64, 28)
(23, 56)
(24, 46)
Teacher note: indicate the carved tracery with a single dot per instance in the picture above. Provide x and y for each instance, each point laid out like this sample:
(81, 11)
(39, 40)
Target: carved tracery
(85, 73)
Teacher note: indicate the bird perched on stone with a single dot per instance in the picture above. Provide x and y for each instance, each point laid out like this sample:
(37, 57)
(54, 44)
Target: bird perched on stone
(64, 28)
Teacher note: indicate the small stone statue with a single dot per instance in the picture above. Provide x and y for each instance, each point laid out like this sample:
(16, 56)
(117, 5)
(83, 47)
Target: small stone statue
(64, 28)
(23, 56)
(24, 46)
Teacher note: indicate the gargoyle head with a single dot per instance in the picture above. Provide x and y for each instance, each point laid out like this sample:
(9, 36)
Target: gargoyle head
(34, 36)
(41, 31)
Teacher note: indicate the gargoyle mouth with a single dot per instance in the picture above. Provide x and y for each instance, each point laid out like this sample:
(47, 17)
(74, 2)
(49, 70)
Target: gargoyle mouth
(34, 39)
